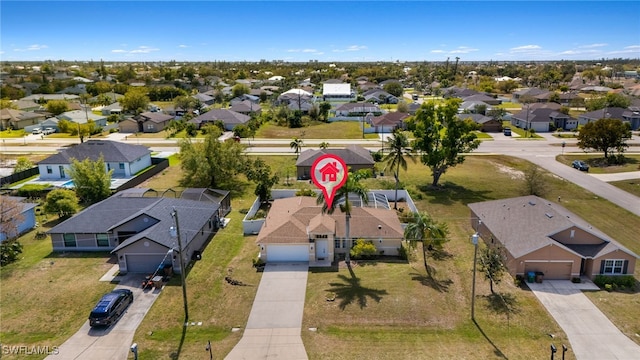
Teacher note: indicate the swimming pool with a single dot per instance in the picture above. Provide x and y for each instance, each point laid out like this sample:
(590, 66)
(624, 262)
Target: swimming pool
(70, 185)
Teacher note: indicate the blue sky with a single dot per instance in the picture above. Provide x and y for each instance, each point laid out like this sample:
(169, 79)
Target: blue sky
(318, 30)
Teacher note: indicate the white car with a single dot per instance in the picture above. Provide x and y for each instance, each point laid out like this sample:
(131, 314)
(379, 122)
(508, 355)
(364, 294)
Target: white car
(48, 131)
(36, 131)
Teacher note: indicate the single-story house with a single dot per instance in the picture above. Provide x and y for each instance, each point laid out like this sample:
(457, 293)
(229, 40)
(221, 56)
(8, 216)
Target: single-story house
(246, 107)
(487, 123)
(137, 229)
(229, 118)
(483, 98)
(542, 236)
(537, 119)
(530, 93)
(630, 115)
(474, 106)
(147, 122)
(337, 91)
(379, 96)
(9, 207)
(82, 116)
(111, 109)
(124, 159)
(356, 157)
(296, 230)
(204, 98)
(18, 119)
(387, 123)
(348, 109)
(43, 98)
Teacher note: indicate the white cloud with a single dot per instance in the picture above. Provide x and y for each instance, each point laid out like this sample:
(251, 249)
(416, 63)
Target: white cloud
(525, 48)
(351, 48)
(463, 50)
(118, 51)
(143, 50)
(33, 47)
(592, 46)
(183, 46)
(437, 51)
(309, 50)
(633, 49)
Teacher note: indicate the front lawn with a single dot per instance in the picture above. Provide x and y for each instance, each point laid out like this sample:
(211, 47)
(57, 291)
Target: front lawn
(598, 165)
(382, 309)
(318, 130)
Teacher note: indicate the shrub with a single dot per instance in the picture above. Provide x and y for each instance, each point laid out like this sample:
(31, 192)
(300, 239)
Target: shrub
(305, 192)
(402, 252)
(363, 250)
(575, 280)
(9, 252)
(615, 282)
(33, 190)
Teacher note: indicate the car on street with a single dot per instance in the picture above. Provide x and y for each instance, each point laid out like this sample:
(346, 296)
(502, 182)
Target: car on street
(580, 165)
(48, 131)
(110, 307)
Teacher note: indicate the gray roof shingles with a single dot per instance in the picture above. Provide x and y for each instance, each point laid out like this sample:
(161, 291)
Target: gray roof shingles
(112, 151)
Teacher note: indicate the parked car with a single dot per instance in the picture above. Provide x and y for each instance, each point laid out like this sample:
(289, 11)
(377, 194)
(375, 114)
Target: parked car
(48, 131)
(36, 131)
(580, 165)
(109, 309)
(506, 131)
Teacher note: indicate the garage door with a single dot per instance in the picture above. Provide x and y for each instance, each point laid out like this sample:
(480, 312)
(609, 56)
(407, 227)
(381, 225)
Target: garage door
(556, 270)
(279, 253)
(144, 263)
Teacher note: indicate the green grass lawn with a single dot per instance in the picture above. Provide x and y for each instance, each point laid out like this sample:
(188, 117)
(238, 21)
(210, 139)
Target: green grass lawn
(598, 165)
(12, 134)
(631, 186)
(320, 130)
(383, 309)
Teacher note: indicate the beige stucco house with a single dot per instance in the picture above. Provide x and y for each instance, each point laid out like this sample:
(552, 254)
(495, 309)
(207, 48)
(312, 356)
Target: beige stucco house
(539, 235)
(296, 230)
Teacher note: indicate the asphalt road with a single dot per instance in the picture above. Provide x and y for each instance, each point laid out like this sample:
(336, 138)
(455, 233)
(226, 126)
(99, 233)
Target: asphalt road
(541, 152)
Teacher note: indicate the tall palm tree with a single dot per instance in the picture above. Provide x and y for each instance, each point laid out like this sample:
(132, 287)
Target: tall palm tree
(427, 231)
(398, 145)
(351, 186)
(296, 145)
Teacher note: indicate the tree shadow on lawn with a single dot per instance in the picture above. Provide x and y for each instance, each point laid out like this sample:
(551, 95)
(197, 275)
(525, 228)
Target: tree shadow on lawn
(440, 285)
(351, 291)
(449, 193)
(496, 350)
(502, 303)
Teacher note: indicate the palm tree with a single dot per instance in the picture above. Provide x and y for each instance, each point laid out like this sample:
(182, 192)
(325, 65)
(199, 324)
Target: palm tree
(296, 145)
(351, 186)
(430, 233)
(398, 145)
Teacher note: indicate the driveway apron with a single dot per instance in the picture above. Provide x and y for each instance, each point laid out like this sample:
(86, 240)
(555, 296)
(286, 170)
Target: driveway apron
(275, 321)
(591, 334)
(113, 342)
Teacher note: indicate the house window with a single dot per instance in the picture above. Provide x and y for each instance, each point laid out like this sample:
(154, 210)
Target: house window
(70, 240)
(150, 127)
(336, 244)
(613, 266)
(121, 166)
(321, 236)
(102, 239)
(49, 170)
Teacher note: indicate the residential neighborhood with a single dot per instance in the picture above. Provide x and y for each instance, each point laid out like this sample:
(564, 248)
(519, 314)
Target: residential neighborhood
(178, 208)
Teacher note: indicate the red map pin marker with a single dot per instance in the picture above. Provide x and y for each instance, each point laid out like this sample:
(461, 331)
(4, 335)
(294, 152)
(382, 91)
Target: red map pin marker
(329, 173)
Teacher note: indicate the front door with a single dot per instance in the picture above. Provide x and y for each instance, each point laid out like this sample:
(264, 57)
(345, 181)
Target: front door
(321, 249)
(62, 174)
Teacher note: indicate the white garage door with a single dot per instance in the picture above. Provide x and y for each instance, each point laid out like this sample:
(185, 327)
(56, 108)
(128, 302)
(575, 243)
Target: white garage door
(144, 263)
(280, 253)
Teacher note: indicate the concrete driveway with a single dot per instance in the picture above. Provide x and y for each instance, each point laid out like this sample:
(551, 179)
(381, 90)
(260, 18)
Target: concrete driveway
(591, 334)
(275, 321)
(113, 342)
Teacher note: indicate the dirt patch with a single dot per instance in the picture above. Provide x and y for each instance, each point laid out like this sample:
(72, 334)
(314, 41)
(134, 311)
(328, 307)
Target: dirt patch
(513, 173)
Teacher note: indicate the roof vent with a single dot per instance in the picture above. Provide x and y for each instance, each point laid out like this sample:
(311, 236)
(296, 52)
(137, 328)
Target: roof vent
(532, 203)
(549, 215)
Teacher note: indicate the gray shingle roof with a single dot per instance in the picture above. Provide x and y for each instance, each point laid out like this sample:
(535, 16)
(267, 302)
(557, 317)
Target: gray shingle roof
(352, 155)
(224, 115)
(525, 224)
(112, 151)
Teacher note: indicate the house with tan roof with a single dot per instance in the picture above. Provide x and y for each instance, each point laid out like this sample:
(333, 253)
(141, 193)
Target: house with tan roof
(296, 230)
(542, 236)
(356, 157)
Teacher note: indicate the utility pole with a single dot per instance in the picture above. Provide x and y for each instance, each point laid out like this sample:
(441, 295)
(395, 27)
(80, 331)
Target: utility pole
(175, 232)
(474, 240)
